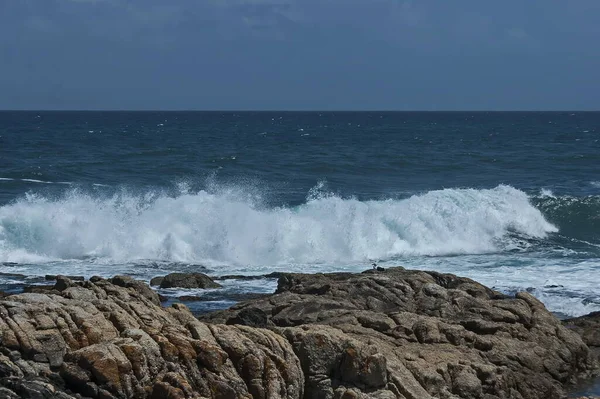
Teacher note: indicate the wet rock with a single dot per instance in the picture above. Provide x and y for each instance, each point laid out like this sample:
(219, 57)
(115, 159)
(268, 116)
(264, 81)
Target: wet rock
(13, 275)
(187, 280)
(252, 317)
(190, 298)
(247, 296)
(249, 278)
(156, 281)
(238, 297)
(62, 283)
(50, 277)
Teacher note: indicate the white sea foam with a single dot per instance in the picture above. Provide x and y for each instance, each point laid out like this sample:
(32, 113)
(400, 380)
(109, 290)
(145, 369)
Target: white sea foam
(595, 184)
(233, 227)
(565, 285)
(546, 193)
(35, 181)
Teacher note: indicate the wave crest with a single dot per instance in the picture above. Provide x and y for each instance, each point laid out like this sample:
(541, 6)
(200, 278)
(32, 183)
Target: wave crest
(207, 227)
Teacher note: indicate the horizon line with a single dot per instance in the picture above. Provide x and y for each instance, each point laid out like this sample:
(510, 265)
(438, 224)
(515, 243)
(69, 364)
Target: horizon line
(292, 110)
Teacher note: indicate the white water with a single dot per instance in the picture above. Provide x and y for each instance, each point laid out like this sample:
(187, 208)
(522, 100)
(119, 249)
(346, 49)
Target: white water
(236, 229)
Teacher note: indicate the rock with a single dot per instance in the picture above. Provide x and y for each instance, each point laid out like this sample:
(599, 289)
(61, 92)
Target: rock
(62, 283)
(416, 334)
(238, 277)
(588, 328)
(238, 297)
(392, 334)
(253, 317)
(55, 277)
(111, 339)
(157, 281)
(39, 289)
(190, 298)
(272, 275)
(13, 275)
(187, 280)
(139, 286)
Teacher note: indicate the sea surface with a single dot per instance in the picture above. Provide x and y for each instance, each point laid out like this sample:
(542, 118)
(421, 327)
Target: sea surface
(509, 199)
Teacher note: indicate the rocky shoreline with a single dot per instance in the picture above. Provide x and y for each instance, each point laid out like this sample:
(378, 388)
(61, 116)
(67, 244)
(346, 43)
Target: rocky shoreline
(385, 334)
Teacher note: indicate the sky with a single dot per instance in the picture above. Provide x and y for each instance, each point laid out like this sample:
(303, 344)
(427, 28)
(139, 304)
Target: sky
(300, 54)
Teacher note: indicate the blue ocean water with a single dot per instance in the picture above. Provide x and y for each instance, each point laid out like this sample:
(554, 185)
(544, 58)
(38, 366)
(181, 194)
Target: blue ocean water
(509, 199)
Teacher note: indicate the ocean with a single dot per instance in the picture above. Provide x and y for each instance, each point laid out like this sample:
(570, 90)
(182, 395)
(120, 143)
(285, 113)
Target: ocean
(510, 199)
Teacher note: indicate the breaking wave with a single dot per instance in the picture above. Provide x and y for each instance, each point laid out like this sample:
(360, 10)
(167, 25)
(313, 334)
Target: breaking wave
(229, 227)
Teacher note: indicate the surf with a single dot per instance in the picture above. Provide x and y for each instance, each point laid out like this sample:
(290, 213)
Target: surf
(235, 227)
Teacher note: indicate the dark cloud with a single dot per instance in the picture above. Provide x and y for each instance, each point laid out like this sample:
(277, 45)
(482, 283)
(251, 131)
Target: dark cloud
(352, 54)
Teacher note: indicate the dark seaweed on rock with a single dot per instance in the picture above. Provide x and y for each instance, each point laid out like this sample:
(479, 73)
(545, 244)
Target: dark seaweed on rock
(393, 334)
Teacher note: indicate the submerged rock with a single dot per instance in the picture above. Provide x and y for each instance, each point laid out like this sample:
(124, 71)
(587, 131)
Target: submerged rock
(393, 334)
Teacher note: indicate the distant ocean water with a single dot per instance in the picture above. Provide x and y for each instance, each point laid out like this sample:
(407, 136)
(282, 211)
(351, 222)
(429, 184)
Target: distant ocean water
(509, 199)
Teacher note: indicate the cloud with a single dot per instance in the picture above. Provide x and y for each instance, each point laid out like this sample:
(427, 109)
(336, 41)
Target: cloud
(331, 53)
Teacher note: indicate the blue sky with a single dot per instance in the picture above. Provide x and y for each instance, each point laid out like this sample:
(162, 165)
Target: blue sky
(300, 54)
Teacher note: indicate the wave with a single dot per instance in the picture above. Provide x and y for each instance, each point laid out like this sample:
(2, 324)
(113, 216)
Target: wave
(232, 227)
(576, 217)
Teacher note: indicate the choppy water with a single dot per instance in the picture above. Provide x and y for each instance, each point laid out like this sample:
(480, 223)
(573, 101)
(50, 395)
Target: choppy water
(509, 199)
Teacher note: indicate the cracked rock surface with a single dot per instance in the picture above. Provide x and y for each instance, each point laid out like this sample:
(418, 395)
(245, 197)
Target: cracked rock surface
(391, 334)
(106, 340)
(414, 334)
